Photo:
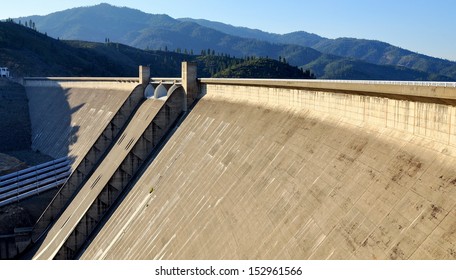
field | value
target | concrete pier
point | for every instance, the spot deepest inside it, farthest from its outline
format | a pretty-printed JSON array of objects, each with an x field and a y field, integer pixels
[{"x": 189, "y": 82}]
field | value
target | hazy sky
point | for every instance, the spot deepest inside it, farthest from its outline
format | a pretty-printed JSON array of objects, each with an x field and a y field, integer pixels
[{"x": 427, "y": 27}]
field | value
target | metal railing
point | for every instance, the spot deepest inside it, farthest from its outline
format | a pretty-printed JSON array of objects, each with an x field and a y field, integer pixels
[
  {"x": 20, "y": 185},
  {"x": 85, "y": 79},
  {"x": 15, "y": 177},
  {"x": 399, "y": 83},
  {"x": 362, "y": 82},
  {"x": 166, "y": 81}
]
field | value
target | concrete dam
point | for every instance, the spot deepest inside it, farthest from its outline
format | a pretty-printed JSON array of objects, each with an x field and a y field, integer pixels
[{"x": 247, "y": 169}]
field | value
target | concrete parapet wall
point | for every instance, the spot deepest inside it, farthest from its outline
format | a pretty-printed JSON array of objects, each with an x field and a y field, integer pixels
[
  {"x": 395, "y": 88},
  {"x": 418, "y": 109},
  {"x": 93, "y": 83}
]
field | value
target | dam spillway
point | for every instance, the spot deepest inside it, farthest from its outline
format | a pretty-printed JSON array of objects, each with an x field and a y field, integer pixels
[{"x": 263, "y": 169}]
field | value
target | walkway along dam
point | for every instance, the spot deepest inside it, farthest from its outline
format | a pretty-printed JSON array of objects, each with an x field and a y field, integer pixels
[{"x": 247, "y": 169}]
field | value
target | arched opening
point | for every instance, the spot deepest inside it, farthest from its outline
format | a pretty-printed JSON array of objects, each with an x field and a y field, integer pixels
[
  {"x": 160, "y": 91},
  {"x": 149, "y": 92}
]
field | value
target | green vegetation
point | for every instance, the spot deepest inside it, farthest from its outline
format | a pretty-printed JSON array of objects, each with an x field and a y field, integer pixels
[
  {"x": 264, "y": 68},
  {"x": 29, "y": 53},
  {"x": 327, "y": 67}
]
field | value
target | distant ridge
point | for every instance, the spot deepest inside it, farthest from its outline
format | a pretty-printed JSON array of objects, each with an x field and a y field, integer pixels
[
  {"x": 30, "y": 53},
  {"x": 370, "y": 51},
  {"x": 147, "y": 31}
]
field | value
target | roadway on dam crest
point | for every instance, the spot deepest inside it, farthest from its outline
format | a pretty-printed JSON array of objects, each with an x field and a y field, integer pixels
[
  {"x": 67, "y": 222},
  {"x": 250, "y": 174}
]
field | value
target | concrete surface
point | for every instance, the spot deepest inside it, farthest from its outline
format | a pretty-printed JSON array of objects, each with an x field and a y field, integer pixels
[
  {"x": 68, "y": 115},
  {"x": 66, "y": 223},
  {"x": 288, "y": 171}
]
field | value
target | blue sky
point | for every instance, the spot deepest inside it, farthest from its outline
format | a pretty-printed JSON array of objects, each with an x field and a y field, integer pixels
[{"x": 427, "y": 27}]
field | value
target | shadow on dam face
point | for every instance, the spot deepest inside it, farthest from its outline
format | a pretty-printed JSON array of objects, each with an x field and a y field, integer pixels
[
  {"x": 15, "y": 128},
  {"x": 243, "y": 179},
  {"x": 50, "y": 134},
  {"x": 53, "y": 131},
  {"x": 66, "y": 119}
]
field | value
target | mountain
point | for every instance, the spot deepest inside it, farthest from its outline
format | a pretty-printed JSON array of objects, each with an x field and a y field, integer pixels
[
  {"x": 370, "y": 51},
  {"x": 295, "y": 38},
  {"x": 27, "y": 52},
  {"x": 96, "y": 23},
  {"x": 147, "y": 31},
  {"x": 326, "y": 67},
  {"x": 385, "y": 54},
  {"x": 242, "y": 32}
]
